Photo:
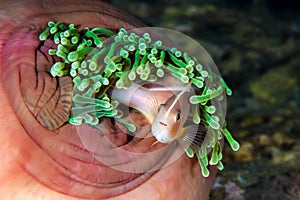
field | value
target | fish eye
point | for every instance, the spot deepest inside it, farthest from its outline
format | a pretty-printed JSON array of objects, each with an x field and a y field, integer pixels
[
  {"x": 177, "y": 117},
  {"x": 159, "y": 108}
]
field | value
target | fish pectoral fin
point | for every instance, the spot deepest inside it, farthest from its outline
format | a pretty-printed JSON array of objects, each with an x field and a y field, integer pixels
[
  {"x": 154, "y": 143},
  {"x": 192, "y": 135}
]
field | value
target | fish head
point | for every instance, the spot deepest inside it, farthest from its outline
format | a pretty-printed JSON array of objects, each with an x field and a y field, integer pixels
[{"x": 170, "y": 118}]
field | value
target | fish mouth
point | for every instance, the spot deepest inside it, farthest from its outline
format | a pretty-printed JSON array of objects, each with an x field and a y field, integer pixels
[
  {"x": 162, "y": 123},
  {"x": 163, "y": 138}
]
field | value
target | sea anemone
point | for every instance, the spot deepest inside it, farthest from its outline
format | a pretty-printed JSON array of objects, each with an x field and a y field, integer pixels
[{"x": 96, "y": 67}]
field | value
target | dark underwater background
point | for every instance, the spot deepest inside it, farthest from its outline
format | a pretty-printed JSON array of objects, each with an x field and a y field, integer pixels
[{"x": 256, "y": 46}]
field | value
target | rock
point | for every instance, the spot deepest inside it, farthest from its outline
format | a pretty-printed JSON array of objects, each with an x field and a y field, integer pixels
[
  {"x": 281, "y": 140},
  {"x": 269, "y": 87},
  {"x": 245, "y": 153},
  {"x": 264, "y": 140}
]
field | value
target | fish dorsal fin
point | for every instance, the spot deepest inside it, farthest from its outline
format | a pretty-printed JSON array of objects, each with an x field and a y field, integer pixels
[{"x": 177, "y": 98}]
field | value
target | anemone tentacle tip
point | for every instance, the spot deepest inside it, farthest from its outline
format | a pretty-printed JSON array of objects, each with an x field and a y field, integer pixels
[{"x": 235, "y": 146}]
